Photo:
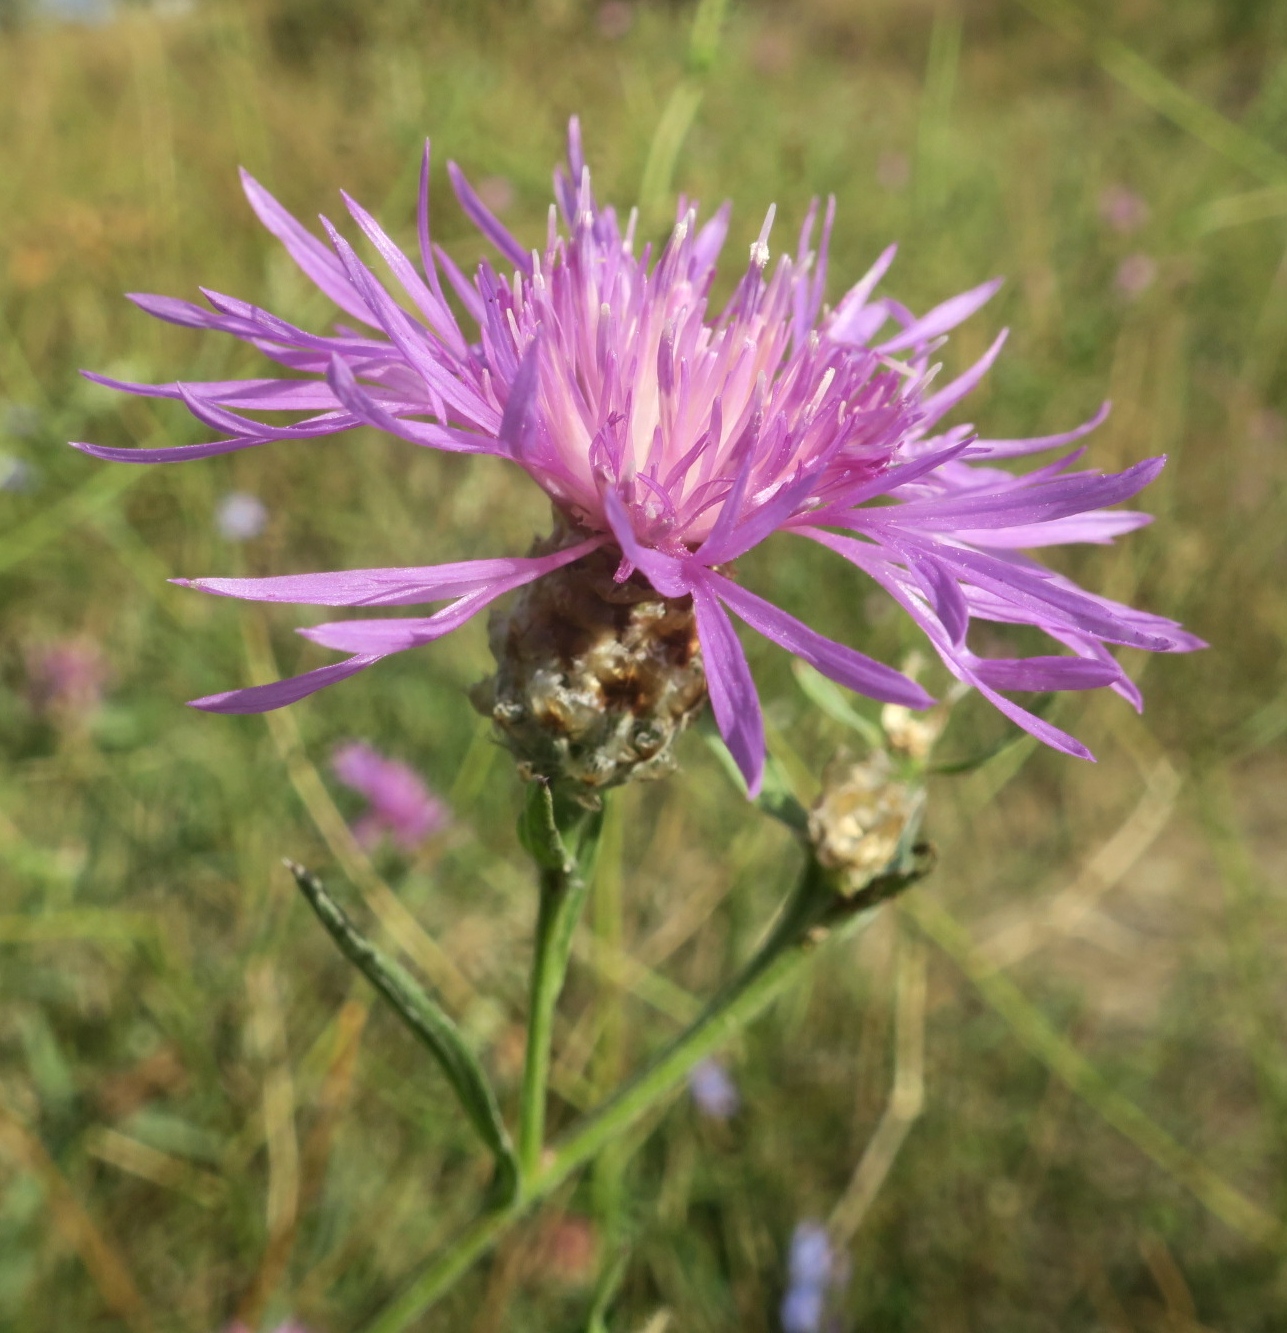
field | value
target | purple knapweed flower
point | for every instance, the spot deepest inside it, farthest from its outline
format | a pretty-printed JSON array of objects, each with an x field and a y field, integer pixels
[
  {"x": 1135, "y": 275},
  {"x": 1122, "y": 209},
  {"x": 400, "y": 803},
  {"x": 67, "y": 678},
  {"x": 713, "y": 1090},
  {"x": 676, "y": 440}
]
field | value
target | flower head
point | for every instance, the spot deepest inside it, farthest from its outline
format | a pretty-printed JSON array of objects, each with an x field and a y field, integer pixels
[
  {"x": 861, "y": 818},
  {"x": 675, "y": 440},
  {"x": 400, "y": 803}
]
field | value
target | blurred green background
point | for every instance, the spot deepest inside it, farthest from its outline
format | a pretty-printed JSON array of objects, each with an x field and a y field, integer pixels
[{"x": 200, "y": 1116}]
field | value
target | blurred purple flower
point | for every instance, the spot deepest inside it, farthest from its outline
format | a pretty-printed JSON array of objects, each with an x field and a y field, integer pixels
[
  {"x": 290, "y": 1326},
  {"x": 1122, "y": 209},
  {"x": 1135, "y": 275},
  {"x": 240, "y": 517},
  {"x": 678, "y": 442},
  {"x": 401, "y": 805},
  {"x": 713, "y": 1090},
  {"x": 497, "y": 193},
  {"x": 66, "y": 678},
  {"x": 1268, "y": 426},
  {"x": 615, "y": 19},
  {"x": 802, "y": 1309}
]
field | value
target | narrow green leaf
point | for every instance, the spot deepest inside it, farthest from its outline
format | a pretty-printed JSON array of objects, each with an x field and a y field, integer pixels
[
  {"x": 776, "y": 798},
  {"x": 427, "y": 1021},
  {"x": 704, "y": 41},
  {"x": 538, "y": 828},
  {"x": 829, "y": 697},
  {"x": 663, "y": 153},
  {"x": 1166, "y": 97}
]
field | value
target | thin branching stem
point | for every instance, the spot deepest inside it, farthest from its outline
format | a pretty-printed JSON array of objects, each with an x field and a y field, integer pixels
[{"x": 810, "y": 913}]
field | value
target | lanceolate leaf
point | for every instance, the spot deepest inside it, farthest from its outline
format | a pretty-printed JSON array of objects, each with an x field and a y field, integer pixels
[{"x": 427, "y": 1021}]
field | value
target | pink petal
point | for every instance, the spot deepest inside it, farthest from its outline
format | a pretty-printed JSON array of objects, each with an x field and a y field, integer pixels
[
  {"x": 486, "y": 221},
  {"x": 264, "y": 698},
  {"x": 396, "y": 586},
  {"x": 317, "y": 262},
  {"x": 728, "y": 678},
  {"x": 942, "y": 318},
  {"x": 847, "y": 666}
]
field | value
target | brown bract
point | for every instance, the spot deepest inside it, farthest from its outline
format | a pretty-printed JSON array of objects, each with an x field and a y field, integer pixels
[{"x": 595, "y": 679}]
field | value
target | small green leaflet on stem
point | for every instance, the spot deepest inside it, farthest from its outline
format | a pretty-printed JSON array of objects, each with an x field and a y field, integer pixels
[{"x": 430, "y": 1025}]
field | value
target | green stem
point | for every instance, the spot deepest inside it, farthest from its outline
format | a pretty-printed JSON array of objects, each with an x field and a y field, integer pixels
[
  {"x": 606, "y": 1069},
  {"x": 774, "y": 965},
  {"x": 562, "y": 839},
  {"x": 811, "y": 910}
]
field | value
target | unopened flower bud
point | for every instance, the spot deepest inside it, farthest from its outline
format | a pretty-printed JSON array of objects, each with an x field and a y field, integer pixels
[
  {"x": 594, "y": 679},
  {"x": 912, "y": 735},
  {"x": 862, "y": 819}
]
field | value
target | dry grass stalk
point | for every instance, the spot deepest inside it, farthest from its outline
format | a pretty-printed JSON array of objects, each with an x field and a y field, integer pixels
[
  {"x": 268, "y": 1037},
  {"x": 385, "y": 905},
  {"x": 105, "y": 1266},
  {"x": 1027, "y": 1023},
  {"x": 906, "y": 1100},
  {"x": 160, "y": 1168},
  {"x": 1070, "y": 910}
]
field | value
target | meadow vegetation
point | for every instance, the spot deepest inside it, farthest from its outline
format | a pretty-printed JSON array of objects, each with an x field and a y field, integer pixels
[{"x": 205, "y": 1116}]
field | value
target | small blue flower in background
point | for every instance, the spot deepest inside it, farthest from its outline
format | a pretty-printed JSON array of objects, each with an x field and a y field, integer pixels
[
  {"x": 92, "y": 12},
  {"x": 240, "y": 517},
  {"x": 713, "y": 1090},
  {"x": 16, "y": 475},
  {"x": 810, "y": 1269},
  {"x": 21, "y": 421},
  {"x": 802, "y": 1310}
]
